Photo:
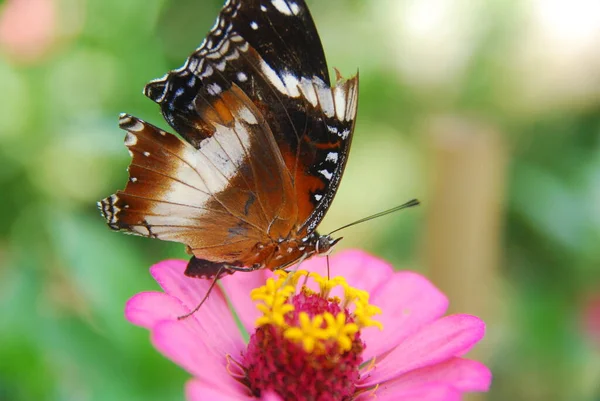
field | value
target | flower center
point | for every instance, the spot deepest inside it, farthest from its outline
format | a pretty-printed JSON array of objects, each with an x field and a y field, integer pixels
[{"x": 307, "y": 344}]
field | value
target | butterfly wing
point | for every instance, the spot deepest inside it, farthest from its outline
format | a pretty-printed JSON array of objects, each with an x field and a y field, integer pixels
[
  {"x": 220, "y": 199},
  {"x": 272, "y": 51}
]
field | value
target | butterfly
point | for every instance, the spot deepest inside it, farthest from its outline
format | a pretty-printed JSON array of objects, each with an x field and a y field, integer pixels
[{"x": 265, "y": 137}]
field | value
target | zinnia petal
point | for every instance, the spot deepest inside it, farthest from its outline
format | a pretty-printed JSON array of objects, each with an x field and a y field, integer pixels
[
  {"x": 215, "y": 319},
  {"x": 360, "y": 269},
  {"x": 146, "y": 309},
  {"x": 433, "y": 392},
  {"x": 150, "y": 309},
  {"x": 237, "y": 291},
  {"x": 196, "y": 390},
  {"x": 175, "y": 340},
  {"x": 408, "y": 301},
  {"x": 462, "y": 374},
  {"x": 434, "y": 343}
]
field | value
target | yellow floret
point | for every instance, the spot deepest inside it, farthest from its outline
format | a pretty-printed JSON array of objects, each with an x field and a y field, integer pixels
[
  {"x": 316, "y": 332},
  {"x": 364, "y": 312}
]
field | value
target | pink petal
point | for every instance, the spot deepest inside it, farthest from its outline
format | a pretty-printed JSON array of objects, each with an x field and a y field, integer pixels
[
  {"x": 408, "y": 301},
  {"x": 434, "y": 343},
  {"x": 149, "y": 309},
  {"x": 463, "y": 374},
  {"x": 361, "y": 270},
  {"x": 218, "y": 328},
  {"x": 180, "y": 343},
  {"x": 238, "y": 287},
  {"x": 196, "y": 390},
  {"x": 434, "y": 392},
  {"x": 146, "y": 309}
]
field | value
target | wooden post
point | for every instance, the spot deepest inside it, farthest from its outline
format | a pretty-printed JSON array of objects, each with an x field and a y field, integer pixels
[{"x": 464, "y": 218}]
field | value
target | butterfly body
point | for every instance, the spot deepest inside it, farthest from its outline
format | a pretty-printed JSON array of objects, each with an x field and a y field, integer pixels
[{"x": 265, "y": 142}]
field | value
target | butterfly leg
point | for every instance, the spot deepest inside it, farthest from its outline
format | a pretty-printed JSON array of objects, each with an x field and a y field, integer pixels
[
  {"x": 204, "y": 269},
  {"x": 256, "y": 266}
]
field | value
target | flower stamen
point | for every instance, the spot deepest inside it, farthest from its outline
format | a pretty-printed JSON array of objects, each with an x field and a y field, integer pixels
[{"x": 307, "y": 339}]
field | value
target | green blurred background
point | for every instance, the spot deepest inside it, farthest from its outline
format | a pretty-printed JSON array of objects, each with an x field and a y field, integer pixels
[{"x": 488, "y": 111}]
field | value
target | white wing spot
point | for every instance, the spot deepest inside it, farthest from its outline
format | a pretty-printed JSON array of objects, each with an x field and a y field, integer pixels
[
  {"x": 295, "y": 8},
  {"x": 208, "y": 71},
  {"x": 326, "y": 174},
  {"x": 193, "y": 64},
  {"x": 221, "y": 66},
  {"x": 242, "y": 77},
  {"x": 263, "y": 8},
  {"x": 339, "y": 98},
  {"x": 332, "y": 157},
  {"x": 130, "y": 139},
  {"x": 247, "y": 115},
  {"x": 308, "y": 90},
  {"x": 133, "y": 179},
  {"x": 254, "y": 25},
  {"x": 137, "y": 126},
  {"x": 146, "y": 154},
  {"x": 344, "y": 134},
  {"x": 326, "y": 101},
  {"x": 291, "y": 84},
  {"x": 214, "y": 89},
  {"x": 282, "y": 7},
  {"x": 318, "y": 197},
  {"x": 273, "y": 77}
]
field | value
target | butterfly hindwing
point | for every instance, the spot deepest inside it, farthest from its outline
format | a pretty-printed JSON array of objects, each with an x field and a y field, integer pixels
[{"x": 220, "y": 200}]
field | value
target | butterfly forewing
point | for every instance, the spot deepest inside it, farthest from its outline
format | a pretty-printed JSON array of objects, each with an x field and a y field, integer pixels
[
  {"x": 266, "y": 140},
  {"x": 272, "y": 51}
]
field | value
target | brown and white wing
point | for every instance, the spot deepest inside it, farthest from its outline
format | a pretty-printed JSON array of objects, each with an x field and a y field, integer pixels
[
  {"x": 219, "y": 199},
  {"x": 272, "y": 51}
]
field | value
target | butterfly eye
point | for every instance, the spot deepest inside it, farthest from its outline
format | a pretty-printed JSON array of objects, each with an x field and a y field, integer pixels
[{"x": 324, "y": 244}]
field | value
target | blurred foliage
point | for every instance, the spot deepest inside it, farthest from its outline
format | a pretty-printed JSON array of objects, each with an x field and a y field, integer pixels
[{"x": 64, "y": 277}]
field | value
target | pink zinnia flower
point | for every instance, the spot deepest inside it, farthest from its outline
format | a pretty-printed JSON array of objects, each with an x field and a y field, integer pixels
[
  {"x": 27, "y": 28},
  {"x": 317, "y": 339}
]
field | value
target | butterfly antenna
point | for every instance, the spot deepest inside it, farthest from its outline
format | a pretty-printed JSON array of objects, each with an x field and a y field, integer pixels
[
  {"x": 212, "y": 285},
  {"x": 410, "y": 203}
]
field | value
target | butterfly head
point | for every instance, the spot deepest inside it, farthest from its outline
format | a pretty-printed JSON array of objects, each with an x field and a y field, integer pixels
[{"x": 324, "y": 243}]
